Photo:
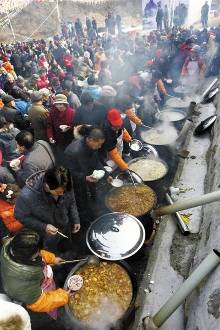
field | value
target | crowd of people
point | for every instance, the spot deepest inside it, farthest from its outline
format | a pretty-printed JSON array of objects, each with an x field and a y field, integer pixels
[{"x": 68, "y": 107}]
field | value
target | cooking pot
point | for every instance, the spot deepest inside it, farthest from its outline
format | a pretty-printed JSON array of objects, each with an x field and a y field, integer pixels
[
  {"x": 171, "y": 115},
  {"x": 159, "y": 135},
  {"x": 116, "y": 190},
  {"x": 175, "y": 102},
  {"x": 123, "y": 323},
  {"x": 133, "y": 161},
  {"x": 175, "y": 116}
]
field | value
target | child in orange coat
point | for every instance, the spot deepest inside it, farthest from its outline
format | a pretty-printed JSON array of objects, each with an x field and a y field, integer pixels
[{"x": 9, "y": 225}]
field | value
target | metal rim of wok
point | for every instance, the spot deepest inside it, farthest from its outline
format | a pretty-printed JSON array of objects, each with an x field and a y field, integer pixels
[
  {"x": 137, "y": 179},
  {"x": 113, "y": 190},
  {"x": 153, "y": 150},
  {"x": 182, "y": 112},
  {"x": 106, "y": 233},
  {"x": 156, "y": 160},
  {"x": 76, "y": 322}
]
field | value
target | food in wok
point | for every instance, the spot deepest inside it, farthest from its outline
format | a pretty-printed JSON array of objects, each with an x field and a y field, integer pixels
[
  {"x": 161, "y": 135},
  {"x": 105, "y": 296},
  {"x": 149, "y": 169},
  {"x": 135, "y": 199},
  {"x": 171, "y": 116}
]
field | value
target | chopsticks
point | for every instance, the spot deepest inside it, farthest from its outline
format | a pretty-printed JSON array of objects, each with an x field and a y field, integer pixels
[{"x": 61, "y": 234}]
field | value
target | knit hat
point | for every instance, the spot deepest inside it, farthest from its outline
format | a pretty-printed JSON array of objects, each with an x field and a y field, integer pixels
[
  {"x": 44, "y": 92},
  {"x": 36, "y": 96},
  {"x": 114, "y": 117},
  {"x": 7, "y": 98},
  {"x": 108, "y": 91},
  {"x": 60, "y": 99}
]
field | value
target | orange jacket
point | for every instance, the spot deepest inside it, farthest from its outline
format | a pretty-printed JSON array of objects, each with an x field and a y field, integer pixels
[
  {"x": 132, "y": 116},
  {"x": 161, "y": 87},
  {"x": 126, "y": 136},
  {"x": 50, "y": 300},
  {"x": 7, "y": 216},
  {"x": 1, "y": 104},
  {"x": 48, "y": 257},
  {"x": 8, "y": 66}
]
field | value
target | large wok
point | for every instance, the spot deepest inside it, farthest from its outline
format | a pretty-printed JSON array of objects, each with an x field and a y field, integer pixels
[
  {"x": 184, "y": 204},
  {"x": 116, "y": 190},
  {"x": 73, "y": 323},
  {"x": 133, "y": 161}
]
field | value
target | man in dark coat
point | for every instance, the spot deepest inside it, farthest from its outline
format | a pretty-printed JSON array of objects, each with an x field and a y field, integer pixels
[
  {"x": 47, "y": 204},
  {"x": 82, "y": 158},
  {"x": 159, "y": 17},
  {"x": 89, "y": 113},
  {"x": 88, "y": 24},
  {"x": 11, "y": 114},
  {"x": 94, "y": 25},
  {"x": 118, "y": 23},
  {"x": 205, "y": 14}
]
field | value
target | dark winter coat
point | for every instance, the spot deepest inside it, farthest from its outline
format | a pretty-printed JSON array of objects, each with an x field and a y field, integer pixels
[
  {"x": 81, "y": 160},
  {"x": 35, "y": 208},
  {"x": 39, "y": 158},
  {"x": 8, "y": 145}
]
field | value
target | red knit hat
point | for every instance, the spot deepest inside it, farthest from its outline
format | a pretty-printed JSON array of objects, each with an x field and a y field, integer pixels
[{"x": 114, "y": 117}]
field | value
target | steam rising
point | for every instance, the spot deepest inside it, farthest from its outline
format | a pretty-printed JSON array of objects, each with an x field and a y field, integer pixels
[{"x": 103, "y": 317}]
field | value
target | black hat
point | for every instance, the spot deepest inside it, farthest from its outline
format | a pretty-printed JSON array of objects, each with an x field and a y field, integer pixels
[{"x": 7, "y": 98}]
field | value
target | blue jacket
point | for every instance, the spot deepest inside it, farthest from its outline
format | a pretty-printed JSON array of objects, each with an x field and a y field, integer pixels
[
  {"x": 94, "y": 91},
  {"x": 22, "y": 106}
]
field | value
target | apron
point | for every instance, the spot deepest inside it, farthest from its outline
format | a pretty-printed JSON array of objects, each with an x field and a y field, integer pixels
[
  {"x": 193, "y": 78},
  {"x": 119, "y": 147},
  {"x": 193, "y": 69},
  {"x": 156, "y": 95},
  {"x": 49, "y": 285}
]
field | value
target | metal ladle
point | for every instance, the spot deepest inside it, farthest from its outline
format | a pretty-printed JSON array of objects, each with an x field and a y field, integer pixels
[
  {"x": 145, "y": 126},
  {"x": 91, "y": 260}
]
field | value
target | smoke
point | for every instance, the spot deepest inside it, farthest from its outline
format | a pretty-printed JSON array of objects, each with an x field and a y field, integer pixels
[{"x": 108, "y": 313}]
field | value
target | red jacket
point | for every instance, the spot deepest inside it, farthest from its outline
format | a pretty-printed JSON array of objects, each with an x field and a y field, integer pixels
[
  {"x": 42, "y": 82},
  {"x": 57, "y": 118},
  {"x": 68, "y": 60}
]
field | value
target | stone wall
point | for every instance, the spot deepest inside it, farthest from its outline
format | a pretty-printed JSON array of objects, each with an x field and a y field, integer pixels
[{"x": 203, "y": 307}]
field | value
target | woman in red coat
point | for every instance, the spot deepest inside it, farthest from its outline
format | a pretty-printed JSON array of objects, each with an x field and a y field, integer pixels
[{"x": 60, "y": 124}]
